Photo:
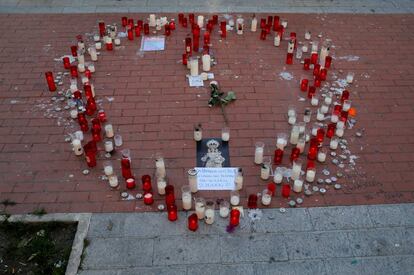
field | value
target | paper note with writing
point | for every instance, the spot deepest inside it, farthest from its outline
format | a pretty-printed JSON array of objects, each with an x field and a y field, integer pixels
[
  {"x": 195, "y": 81},
  {"x": 153, "y": 43},
  {"x": 216, "y": 178}
]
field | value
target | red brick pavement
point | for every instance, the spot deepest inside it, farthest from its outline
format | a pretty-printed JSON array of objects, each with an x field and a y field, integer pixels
[{"x": 155, "y": 110}]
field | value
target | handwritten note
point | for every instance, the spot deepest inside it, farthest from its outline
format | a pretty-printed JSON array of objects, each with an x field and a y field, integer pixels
[
  {"x": 216, "y": 178},
  {"x": 195, "y": 81}
]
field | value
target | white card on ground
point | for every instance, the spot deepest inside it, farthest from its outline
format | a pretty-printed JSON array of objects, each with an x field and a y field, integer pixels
[
  {"x": 210, "y": 76},
  {"x": 216, "y": 178},
  {"x": 153, "y": 43},
  {"x": 195, "y": 81}
]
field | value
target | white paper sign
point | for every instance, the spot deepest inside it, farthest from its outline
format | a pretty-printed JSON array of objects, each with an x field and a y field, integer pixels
[
  {"x": 152, "y": 43},
  {"x": 216, "y": 178},
  {"x": 195, "y": 81}
]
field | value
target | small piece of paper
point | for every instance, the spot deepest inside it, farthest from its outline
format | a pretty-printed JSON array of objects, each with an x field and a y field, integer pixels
[
  {"x": 153, "y": 43},
  {"x": 210, "y": 76},
  {"x": 216, "y": 178},
  {"x": 195, "y": 81}
]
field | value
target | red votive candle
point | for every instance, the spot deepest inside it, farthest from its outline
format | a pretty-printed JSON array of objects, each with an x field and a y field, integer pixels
[
  {"x": 74, "y": 50},
  {"x": 196, "y": 43},
  {"x": 109, "y": 45},
  {"x": 172, "y": 212},
  {"x": 215, "y": 19},
  {"x": 167, "y": 30},
  {"x": 331, "y": 130},
  {"x": 267, "y": 28},
  {"x": 263, "y": 23},
  {"x": 140, "y": 24},
  {"x": 311, "y": 91},
  {"x": 90, "y": 106},
  {"x": 316, "y": 69},
  {"x": 314, "y": 58},
  {"x": 148, "y": 199},
  {"x": 77, "y": 95},
  {"x": 73, "y": 71},
  {"x": 90, "y": 153},
  {"x": 66, "y": 62},
  {"x": 169, "y": 195},
  {"x": 234, "y": 217},
  {"x": 223, "y": 29},
  {"x": 146, "y": 183},
  {"x": 101, "y": 25},
  {"x": 193, "y": 222},
  {"x": 320, "y": 135},
  {"x": 289, "y": 58},
  {"x": 96, "y": 125},
  {"x": 188, "y": 48},
  {"x": 88, "y": 73},
  {"x": 306, "y": 64},
  {"x": 322, "y": 74},
  {"x": 82, "y": 118},
  {"x": 124, "y": 21},
  {"x": 96, "y": 136},
  {"x": 146, "y": 29},
  {"x": 130, "y": 22},
  {"x": 206, "y": 38},
  {"x": 126, "y": 167},
  {"x": 185, "y": 59},
  {"x": 130, "y": 33},
  {"x": 84, "y": 127},
  {"x": 88, "y": 91},
  {"x": 285, "y": 190},
  {"x": 272, "y": 188},
  {"x": 252, "y": 201},
  {"x": 101, "y": 116},
  {"x": 263, "y": 35},
  {"x": 344, "y": 96},
  {"x": 50, "y": 81},
  {"x": 275, "y": 22},
  {"x": 304, "y": 85},
  {"x": 191, "y": 18},
  {"x": 295, "y": 154},
  {"x": 180, "y": 18},
  {"x": 313, "y": 149},
  {"x": 172, "y": 25},
  {"x": 130, "y": 183},
  {"x": 278, "y": 156},
  {"x": 328, "y": 61}
]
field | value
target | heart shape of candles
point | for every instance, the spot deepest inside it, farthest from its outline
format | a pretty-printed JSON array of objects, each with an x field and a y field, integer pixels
[{"x": 318, "y": 62}]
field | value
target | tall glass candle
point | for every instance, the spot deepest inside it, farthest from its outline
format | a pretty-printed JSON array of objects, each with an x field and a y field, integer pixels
[
  {"x": 234, "y": 197},
  {"x": 224, "y": 209},
  {"x": 161, "y": 184},
  {"x": 186, "y": 197},
  {"x": 296, "y": 169},
  {"x": 200, "y": 207},
  {"x": 259, "y": 151},
  {"x": 209, "y": 213},
  {"x": 50, "y": 81},
  {"x": 297, "y": 186},
  {"x": 266, "y": 197},
  {"x": 239, "y": 179},
  {"x": 192, "y": 180},
  {"x": 193, "y": 222}
]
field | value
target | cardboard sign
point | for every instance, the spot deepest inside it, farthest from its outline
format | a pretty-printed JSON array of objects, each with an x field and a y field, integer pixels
[{"x": 216, "y": 178}]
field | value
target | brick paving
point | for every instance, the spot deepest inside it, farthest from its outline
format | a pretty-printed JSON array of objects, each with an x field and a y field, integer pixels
[{"x": 155, "y": 110}]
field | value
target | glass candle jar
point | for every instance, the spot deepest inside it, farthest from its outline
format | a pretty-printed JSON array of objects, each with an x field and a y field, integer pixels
[
  {"x": 200, "y": 207},
  {"x": 252, "y": 201},
  {"x": 169, "y": 195},
  {"x": 234, "y": 217},
  {"x": 186, "y": 197},
  {"x": 285, "y": 190},
  {"x": 315, "y": 100},
  {"x": 272, "y": 188},
  {"x": 193, "y": 222},
  {"x": 224, "y": 209},
  {"x": 192, "y": 180},
  {"x": 297, "y": 186},
  {"x": 278, "y": 157},
  {"x": 161, "y": 184},
  {"x": 259, "y": 151},
  {"x": 130, "y": 183},
  {"x": 296, "y": 169},
  {"x": 159, "y": 166},
  {"x": 126, "y": 164},
  {"x": 278, "y": 175},
  {"x": 266, "y": 197},
  {"x": 109, "y": 131},
  {"x": 320, "y": 116},
  {"x": 209, "y": 213},
  {"x": 322, "y": 154},
  {"x": 306, "y": 62},
  {"x": 146, "y": 183},
  {"x": 225, "y": 134},
  {"x": 333, "y": 145},
  {"x": 234, "y": 197},
  {"x": 77, "y": 147},
  {"x": 310, "y": 171},
  {"x": 307, "y": 115},
  {"x": 118, "y": 140},
  {"x": 294, "y": 134},
  {"x": 281, "y": 141},
  {"x": 265, "y": 168},
  {"x": 148, "y": 199},
  {"x": 239, "y": 179},
  {"x": 50, "y": 81},
  {"x": 346, "y": 105},
  {"x": 194, "y": 66},
  {"x": 172, "y": 212},
  {"x": 113, "y": 181},
  {"x": 108, "y": 169},
  {"x": 198, "y": 133},
  {"x": 350, "y": 77}
]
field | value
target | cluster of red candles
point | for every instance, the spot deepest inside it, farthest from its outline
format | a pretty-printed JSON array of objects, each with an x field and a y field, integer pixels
[
  {"x": 272, "y": 23},
  {"x": 194, "y": 43}
]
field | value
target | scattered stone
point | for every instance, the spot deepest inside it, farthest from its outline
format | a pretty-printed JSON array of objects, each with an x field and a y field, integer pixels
[
  {"x": 326, "y": 172},
  {"x": 124, "y": 195},
  {"x": 292, "y": 203},
  {"x": 358, "y": 134},
  {"x": 335, "y": 161},
  {"x": 339, "y": 174},
  {"x": 58, "y": 109},
  {"x": 67, "y": 107},
  {"x": 85, "y": 172},
  {"x": 139, "y": 196},
  {"x": 333, "y": 154},
  {"x": 337, "y": 186},
  {"x": 322, "y": 191},
  {"x": 108, "y": 155},
  {"x": 282, "y": 210},
  {"x": 308, "y": 192},
  {"x": 67, "y": 139},
  {"x": 320, "y": 181},
  {"x": 299, "y": 200},
  {"x": 328, "y": 181},
  {"x": 343, "y": 156},
  {"x": 315, "y": 188},
  {"x": 161, "y": 207},
  {"x": 341, "y": 165},
  {"x": 53, "y": 98},
  {"x": 334, "y": 179}
]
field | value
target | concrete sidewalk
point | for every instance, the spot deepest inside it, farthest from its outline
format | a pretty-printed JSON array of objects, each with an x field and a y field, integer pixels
[
  {"x": 376, "y": 239},
  {"x": 279, "y": 6}
]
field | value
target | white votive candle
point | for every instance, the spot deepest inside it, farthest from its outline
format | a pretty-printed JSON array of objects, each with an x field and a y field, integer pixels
[
  {"x": 321, "y": 155},
  {"x": 200, "y": 21},
  {"x": 234, "y": 198},
  {"x": 258, "y": 154},
  {"x": 74, "y": 114},
  {"x": 161, "y": 184},
  {"x": 194, "y": 66},
  {"x": 265, "y": 172},
  {"x": 310, "y": 175},
  {"x": 334, "y": 143},
  {"x": 296, "y": 169},
  {"x": 297, "y": 186},
  {"x": 192, "y": 180},
  {"x": 109, "y": 131},
  {"x": 277, "y": 177},
  {"x": 206, "y": 59},
  {"x": 186, "y": 198},
  {"x": 113, "y": 181},
  {"x": 77, "y": 147},
  {"x": 200, "y": 207},
  {"x": 266, "y": 197}
]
